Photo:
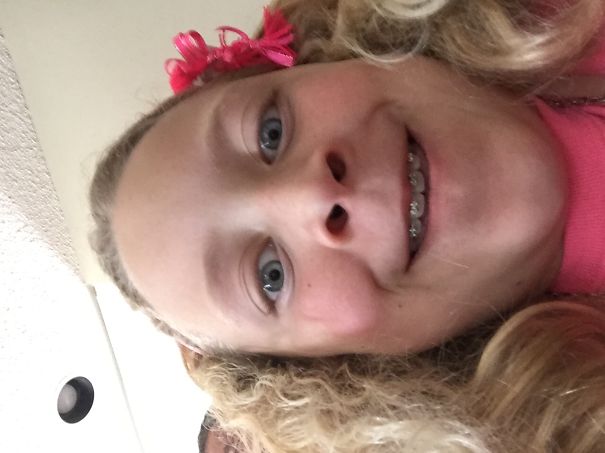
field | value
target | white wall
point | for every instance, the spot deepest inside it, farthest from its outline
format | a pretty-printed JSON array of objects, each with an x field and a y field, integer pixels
[
  {"x": 87, "y": 69},
  {"x": 50, "y": 326}
]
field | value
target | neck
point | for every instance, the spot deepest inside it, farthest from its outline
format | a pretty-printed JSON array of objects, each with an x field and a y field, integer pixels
[
  {"x": 576, "y": 87},
  {"x": 580, "y": 131}
]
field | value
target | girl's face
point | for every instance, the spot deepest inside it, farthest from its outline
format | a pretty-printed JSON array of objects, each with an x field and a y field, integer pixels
[{"x": 273, "y": 213}]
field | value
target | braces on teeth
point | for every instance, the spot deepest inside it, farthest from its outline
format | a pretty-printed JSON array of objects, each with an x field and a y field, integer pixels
[{"x": 417, "y": 203}]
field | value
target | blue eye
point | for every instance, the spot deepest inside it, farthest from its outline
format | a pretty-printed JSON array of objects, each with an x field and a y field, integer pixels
[
  {"x": 271, "y": 273},
  {"x": 270, "y": 135}
]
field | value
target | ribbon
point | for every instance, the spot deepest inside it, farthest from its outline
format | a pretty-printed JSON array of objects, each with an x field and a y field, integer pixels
[{"x": 199, "y": 59}]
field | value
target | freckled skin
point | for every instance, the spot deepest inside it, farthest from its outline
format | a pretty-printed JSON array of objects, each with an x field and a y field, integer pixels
[{"x": 495, "y": 220}]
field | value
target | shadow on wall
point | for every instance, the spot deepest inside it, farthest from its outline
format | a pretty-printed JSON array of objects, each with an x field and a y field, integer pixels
[{"x": 25, "y": 183}]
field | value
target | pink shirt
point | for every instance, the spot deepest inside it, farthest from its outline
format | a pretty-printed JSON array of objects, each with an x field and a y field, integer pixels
[{"x": 581, "y": 131}]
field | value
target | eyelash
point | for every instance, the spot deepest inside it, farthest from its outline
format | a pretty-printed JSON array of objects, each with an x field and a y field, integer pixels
[
  {"x": 264, "y": 270},
  {"x": 271, "y": 115}
]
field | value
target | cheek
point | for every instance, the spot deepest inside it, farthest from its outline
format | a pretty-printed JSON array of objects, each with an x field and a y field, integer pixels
[
  {"x": 340, "y": 98},
  {"x": 344, "y": 302}
]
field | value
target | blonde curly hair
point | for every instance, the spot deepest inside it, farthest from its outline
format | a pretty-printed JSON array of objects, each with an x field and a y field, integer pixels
[
  {"x": 537, "y": 387},
  {"x": 502, "y": 42},
  {"x": 539, "y": 383}
]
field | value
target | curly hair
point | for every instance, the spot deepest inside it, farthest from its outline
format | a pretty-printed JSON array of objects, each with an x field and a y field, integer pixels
[
  {"x": 529, "y": 392},
  {"x": 537, "y": 386},
  {"x": 501, "y": 42}
]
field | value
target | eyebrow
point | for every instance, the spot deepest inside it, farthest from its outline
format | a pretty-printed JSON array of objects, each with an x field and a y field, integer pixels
[
  {"x": 219, "y": 279},
  {"x": 216, "y": 279},
  {"x": 217, "y": 137},
  {"x": 216, "y": 133},
  {"x": 223, "y": 283}
]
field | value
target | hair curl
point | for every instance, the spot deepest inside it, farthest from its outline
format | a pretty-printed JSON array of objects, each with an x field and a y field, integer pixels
[{"x": 538, "y": 387}]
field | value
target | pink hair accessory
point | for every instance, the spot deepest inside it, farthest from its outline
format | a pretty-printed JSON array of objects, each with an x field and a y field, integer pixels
[{"x": 202, "y": 62}]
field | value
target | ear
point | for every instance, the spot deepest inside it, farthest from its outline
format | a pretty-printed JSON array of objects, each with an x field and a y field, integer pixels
[{"x": 190, "y": 357}]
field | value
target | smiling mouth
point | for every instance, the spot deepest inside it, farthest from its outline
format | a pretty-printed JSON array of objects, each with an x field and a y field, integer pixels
[{"x": 417, "y": 172}]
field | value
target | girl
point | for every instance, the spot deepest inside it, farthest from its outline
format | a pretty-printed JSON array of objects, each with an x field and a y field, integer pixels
[{"x": 352, "y": 207}]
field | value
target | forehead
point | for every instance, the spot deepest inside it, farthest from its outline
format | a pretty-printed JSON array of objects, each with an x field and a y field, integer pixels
[{"x": 158, "y": 186}]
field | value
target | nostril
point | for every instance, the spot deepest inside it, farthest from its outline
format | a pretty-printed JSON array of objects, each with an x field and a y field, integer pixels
[
  {"x": 337, "y": 166},
  {"x": 337, "y": 220}
]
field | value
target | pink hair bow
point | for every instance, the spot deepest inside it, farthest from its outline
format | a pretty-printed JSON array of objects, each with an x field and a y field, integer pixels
[{"x": 202, "y": 62}]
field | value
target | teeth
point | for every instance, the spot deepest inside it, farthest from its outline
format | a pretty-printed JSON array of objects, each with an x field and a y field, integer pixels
[
  {"x": 414, "y": 244},
  {"x": 415, "y": 228},
  {"x": 418, "y": 200},
  {"x": 417, "y": 205},
  {"x": 417, "y": 181},
  {"x": 413, "y": 160}
]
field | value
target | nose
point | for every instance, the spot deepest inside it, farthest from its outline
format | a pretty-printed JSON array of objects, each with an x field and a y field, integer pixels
[{"x": 312, "y": 198}]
